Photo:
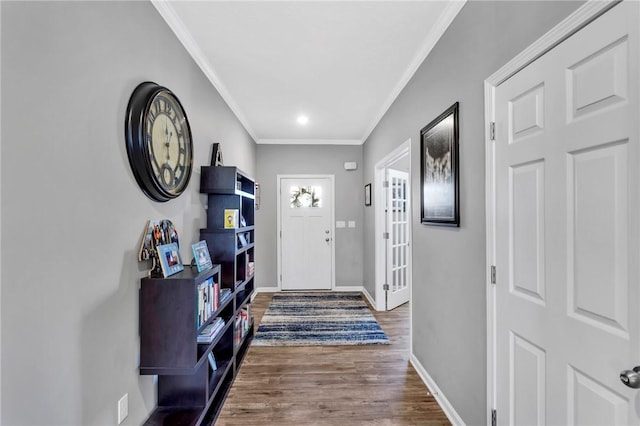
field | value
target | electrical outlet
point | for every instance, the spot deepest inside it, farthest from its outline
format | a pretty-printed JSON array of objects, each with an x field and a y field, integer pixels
[{"x": 123, "y": 408}]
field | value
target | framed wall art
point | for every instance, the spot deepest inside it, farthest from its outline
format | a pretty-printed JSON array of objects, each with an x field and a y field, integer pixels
[{"x": 439, "y": 170}]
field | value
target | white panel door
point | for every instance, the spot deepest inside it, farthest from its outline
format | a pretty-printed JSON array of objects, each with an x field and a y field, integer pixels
[
  {"x": 397, "y": 247},
  {"x": 567, "y": 234},
  {"x": 306, "y": 213}
]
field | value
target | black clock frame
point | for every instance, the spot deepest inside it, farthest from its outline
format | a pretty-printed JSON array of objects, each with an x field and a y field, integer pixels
[{"x": 137, "y": 150}]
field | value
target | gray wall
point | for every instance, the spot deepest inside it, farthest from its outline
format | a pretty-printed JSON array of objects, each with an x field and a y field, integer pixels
[
  {"x": 72, "y": 213},
  {"x": 349, "y": 197},
  {"x": 449, "y": 303}
]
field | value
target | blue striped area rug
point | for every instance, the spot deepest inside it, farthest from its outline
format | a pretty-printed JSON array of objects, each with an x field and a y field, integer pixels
[{"x": 318, "y": 319}]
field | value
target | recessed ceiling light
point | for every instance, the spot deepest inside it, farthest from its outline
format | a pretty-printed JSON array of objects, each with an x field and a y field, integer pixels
[{"x": 303, "y": 120}]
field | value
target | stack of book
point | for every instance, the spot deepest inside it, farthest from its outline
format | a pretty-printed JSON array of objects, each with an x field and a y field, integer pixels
[
  {"x": 225, "y": 293},
  {"x": 242, "y": 324},
  {"x": 250, "y": 269},
  {"x": 211, "y": 331},
  {"x": 208, "y": 300}
]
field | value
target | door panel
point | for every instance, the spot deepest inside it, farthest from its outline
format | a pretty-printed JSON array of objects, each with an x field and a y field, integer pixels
[
  {"x": 306, "y": 212},
  {"x": 567, "y": 234},
  {"x": 397, "y": 246}
]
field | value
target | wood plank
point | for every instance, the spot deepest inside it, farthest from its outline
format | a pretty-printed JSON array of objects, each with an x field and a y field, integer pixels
[{"x": 328, "y": 385}]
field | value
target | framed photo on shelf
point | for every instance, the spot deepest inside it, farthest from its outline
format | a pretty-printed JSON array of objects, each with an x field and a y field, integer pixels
[
  {"x": 231, "y": 218},
  {"x": 367, "y": 194},
  {"x": 201, "y": 256},
  {"x": 439, "y": 170},
  {"x": 170, "y": 260}
]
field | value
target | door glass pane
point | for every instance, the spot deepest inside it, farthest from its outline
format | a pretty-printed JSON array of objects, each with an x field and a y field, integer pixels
[{"x": 305, "y": 197}]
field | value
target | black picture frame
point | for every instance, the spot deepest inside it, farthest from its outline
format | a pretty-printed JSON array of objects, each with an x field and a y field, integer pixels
[
  {"x": 439, "y": 171},
  {"x": 367, "y": 194}
]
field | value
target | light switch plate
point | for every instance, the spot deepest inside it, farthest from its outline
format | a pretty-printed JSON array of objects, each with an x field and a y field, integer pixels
[{"x": 123, "y": 408}]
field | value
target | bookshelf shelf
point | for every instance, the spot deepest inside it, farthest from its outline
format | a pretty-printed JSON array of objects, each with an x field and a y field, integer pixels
[{"x": 190, "y": 391}]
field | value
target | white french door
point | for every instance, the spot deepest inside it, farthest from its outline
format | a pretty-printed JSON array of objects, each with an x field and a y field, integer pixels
[
  {"x": 397, "y": 244},
  {"x": 567, "y": 238},
  {"x": 306, "y": 232}
]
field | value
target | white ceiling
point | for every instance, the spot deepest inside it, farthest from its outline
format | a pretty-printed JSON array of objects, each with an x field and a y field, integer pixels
[{"x": 341, "y": 63}]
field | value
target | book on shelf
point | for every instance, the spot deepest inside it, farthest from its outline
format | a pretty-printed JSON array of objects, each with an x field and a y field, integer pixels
[
  {"x": 216, "y": 296},
  {"x": 245, "y": 315},
  {"x": 211, "y": 331},
  {"x": 237, "y": 331},
  {"x": 212, "y": 362},
  {"x": 250, "y": 267}
]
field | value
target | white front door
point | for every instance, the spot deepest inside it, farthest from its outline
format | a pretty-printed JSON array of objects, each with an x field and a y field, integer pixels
[
  {"x": 567, "y": 230},
  {"x": 306, "y": 223},
  {"x": 397, "y": 244}
]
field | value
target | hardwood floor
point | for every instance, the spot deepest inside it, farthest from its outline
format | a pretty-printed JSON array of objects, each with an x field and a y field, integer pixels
[{"x": 332, "y": 385}]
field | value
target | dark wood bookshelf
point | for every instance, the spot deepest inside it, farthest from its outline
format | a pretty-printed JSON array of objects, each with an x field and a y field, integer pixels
[{"x": 190, "y": 392}]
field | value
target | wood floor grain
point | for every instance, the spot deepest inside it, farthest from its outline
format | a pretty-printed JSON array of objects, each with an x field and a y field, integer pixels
[{"x": 332, "y": 385}]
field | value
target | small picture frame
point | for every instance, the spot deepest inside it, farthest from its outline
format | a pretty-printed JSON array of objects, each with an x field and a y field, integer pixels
[
  {"x": 201, "y": 256},
  {"x": 170, "y": 260},
  {"x": 231, "y": 218},
  {"x": 367, "y": 194}
]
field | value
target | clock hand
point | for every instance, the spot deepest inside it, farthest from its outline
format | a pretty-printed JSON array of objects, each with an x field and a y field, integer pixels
[
  {"x": 167, "y": 136},
  {"x": 168, "y": 143}
]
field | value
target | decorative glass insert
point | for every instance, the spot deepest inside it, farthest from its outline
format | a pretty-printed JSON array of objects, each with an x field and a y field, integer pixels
[{"x": 305, "y": 197}]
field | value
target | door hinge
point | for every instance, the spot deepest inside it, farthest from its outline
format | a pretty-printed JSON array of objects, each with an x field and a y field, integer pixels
[
  {"x": 494, "y": 418},
  {"x": 385, "y": 184},
  {"x": 493, "y": 274},
  {"x": 385, "y": 287},
  {"x": 280, "y": 234},
  {"x": 492, "y": 130},
  {"x": 280, "y": 277},
  {"x": 385, "y": 235}
]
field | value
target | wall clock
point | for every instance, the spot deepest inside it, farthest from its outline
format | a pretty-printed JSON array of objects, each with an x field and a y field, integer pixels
[{"x": 158, "y": 139}]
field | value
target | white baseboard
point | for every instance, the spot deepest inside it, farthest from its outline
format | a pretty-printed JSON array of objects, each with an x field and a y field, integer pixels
[
  {"x": 339, "y": 288},
  {"x": 371, "y": 300},
  {"x": 266, "y": 290},
  {"x": 442, "y": 400},
  {"x": 354, "y": 288}
]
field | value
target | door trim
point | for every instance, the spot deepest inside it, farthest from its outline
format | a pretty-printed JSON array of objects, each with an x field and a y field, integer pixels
[
  {"x": 580, "y": 18},
  {"x": 379, "y": 273},
  {"x": 279, "y": 223}
]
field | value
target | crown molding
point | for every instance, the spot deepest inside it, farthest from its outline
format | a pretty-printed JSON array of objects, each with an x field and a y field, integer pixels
[
  {"x": 184, "y": 36},
  {"x": 446, "y": 17},
  {"x": 309, "y": 142}
]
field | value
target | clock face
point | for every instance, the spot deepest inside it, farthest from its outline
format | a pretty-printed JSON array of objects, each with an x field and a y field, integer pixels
[
  {"x": 167, "y": 140},
  {"x": 158, "y": 142}
]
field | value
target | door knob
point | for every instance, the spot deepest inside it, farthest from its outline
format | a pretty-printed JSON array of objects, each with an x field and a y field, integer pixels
[{"x": 631, "y": 378}]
